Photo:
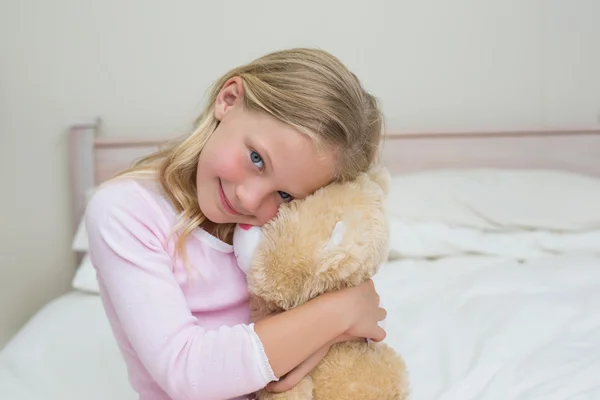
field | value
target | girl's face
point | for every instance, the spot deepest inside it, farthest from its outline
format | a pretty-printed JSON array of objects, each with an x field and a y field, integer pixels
[{"x": 253, "y": 163}]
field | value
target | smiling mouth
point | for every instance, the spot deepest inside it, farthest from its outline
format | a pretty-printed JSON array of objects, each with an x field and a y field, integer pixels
[{"x": 226, "y": 204}]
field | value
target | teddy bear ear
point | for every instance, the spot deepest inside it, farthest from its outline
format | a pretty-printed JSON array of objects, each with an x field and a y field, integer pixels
[
  {"x": 334, "y": 252},
  {"x": 381, "y": 176}
]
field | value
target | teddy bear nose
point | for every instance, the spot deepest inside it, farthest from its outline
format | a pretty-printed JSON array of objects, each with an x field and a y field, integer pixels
[{"x": 245, "y": 226}]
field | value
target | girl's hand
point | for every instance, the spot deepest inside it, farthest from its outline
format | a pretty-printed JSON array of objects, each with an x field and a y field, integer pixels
[
  {"x": 294, "y": 376},
  {"x": 365, "y": 313}
]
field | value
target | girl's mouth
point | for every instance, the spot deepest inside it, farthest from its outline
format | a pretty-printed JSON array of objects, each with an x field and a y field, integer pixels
[{"x": 226, "y": 204}]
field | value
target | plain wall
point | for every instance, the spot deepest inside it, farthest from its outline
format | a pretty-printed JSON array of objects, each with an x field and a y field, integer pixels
[{"x": 144, "y": 67}]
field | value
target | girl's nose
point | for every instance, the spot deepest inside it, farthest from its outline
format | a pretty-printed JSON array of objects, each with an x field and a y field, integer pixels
[{"x": 251, "y": 196}]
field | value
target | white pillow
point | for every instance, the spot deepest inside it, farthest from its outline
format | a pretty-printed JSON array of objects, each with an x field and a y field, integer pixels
[
  {"x": 80, "y": 240},
  {"x": 498, "y": 200},
  {"x": 435, "y": 240},
  {"x": 85, "y": 277}
]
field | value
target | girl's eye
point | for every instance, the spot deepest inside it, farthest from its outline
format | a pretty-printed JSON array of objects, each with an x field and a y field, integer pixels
[
  {"x": 257, "y": 159},
  {"x": 285, "y": 196}
]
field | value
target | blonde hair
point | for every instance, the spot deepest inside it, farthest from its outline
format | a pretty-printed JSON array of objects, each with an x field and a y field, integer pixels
[{"x": 309, "y": 89}]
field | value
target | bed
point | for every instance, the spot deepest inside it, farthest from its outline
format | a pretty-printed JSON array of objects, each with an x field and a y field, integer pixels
[{"x": 492, "y": 285}]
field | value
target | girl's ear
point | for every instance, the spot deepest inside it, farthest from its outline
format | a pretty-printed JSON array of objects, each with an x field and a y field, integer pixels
[{"x": 230, "y": 95}]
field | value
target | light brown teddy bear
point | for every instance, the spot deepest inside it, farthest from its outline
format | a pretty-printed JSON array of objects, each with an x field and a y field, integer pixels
[{"x": 335, "y": 238}]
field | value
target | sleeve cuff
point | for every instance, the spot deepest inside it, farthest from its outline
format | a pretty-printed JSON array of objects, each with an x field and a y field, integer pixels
[{"x": 259, "y": 352}]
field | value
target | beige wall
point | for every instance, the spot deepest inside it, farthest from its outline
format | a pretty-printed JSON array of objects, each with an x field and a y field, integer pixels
[{"x": 143, "y": 66}]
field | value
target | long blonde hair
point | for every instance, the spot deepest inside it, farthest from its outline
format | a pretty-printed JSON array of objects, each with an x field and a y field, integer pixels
[{"x": 309, "y": 89}]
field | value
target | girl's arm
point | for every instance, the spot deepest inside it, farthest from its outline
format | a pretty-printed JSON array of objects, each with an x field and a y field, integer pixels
[
  {"x": 314, "y": 327},
  {"x": 151, "y": 317},
  {"x": 292, "y": 378},
  {"x": 291, "y": 337}
]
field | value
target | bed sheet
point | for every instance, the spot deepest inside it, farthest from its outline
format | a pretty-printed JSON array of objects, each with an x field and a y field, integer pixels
[
  {"x": 65, "y": 352},
  {"x": 469, "y": 328},
  {"x": 492, "y": 328}
]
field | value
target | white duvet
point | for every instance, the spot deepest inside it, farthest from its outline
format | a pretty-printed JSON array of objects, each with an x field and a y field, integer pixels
[
  {"x": 490, "y": 328},
  {"x": 468, "y": 327},
  {"x": 65, "y": 352}
]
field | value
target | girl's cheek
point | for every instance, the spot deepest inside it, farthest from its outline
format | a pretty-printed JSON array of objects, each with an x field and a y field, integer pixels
[
  {"x": 233, "y": 165},
  {"x": 267, "y": 213}
]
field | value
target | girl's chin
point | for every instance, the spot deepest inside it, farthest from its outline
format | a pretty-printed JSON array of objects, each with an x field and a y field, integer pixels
[
  {"x": 218, "y": 216},
  {"x": 223, "y": 218},
  {"x": 215, "y": 216}
]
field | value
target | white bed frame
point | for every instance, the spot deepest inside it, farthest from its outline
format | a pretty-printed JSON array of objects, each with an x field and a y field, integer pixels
[{"x": 95, "y": 157}]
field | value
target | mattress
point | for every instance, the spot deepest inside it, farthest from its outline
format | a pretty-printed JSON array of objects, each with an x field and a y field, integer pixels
[{"x": 469, "y": 327}]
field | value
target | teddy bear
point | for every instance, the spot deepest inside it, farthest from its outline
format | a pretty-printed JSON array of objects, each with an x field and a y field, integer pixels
[{"x": 335, "y": 238}]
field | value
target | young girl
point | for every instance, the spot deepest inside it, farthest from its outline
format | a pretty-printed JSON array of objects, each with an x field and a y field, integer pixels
[{"x": 274, "y": 130}]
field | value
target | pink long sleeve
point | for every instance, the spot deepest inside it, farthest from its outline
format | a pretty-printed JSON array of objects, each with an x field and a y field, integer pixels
[{"x": 184, "y": 333}]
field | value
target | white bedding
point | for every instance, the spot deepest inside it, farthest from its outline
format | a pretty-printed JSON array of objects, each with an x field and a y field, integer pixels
[
  {"x": 489, "y": 328},
  {"x": 469, "y": 328},
  {"x": 65, "y": 352}
]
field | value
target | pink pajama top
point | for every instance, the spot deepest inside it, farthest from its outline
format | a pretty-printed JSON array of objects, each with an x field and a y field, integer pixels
[{"x": 184, "y": 333}]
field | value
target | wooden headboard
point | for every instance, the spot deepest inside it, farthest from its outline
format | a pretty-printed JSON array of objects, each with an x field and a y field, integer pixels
[{"x": 95, "y": 158}]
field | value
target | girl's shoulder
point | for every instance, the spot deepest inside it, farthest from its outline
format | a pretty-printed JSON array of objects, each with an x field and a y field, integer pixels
[
  {"x": 123, "y": 191},
  {"x": 135, "y": 198}
]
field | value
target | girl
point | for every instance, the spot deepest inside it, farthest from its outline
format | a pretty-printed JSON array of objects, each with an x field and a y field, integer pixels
[{"x": 274, "y": 130}]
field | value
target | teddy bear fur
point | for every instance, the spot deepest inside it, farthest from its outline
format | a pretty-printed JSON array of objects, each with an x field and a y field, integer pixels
[{"x": 301, "y": 254}]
